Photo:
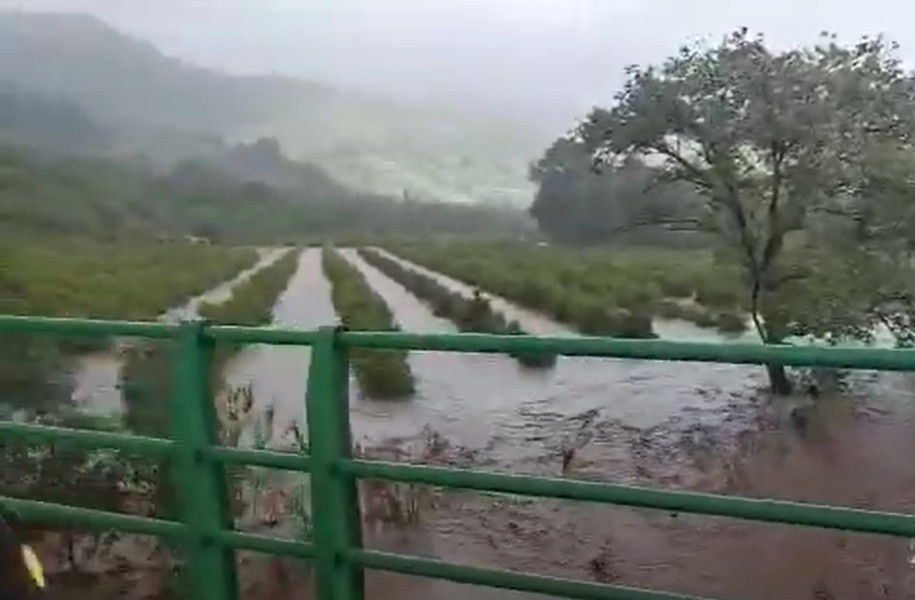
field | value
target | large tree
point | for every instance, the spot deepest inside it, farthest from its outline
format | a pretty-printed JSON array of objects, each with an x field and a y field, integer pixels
[
  {"x": 630, "y": 203},
  {"x": 783, "y": 146}
]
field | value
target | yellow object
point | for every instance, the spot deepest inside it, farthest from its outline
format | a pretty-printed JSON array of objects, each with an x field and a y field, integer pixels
[{"x": 33, "y": 565}]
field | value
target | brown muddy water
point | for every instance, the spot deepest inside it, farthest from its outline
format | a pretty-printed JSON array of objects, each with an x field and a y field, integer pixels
[{"x": 677, "y": 425}]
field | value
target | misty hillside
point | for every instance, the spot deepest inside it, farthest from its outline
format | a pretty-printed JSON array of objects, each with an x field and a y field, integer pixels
[
  {"x": 49, "y": 125},
  {"x": 172, "y": 106}
]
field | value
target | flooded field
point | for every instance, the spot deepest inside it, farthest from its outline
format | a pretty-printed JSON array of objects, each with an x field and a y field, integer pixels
[
  {"x": 678, "y": 425},
  {"x": 96, "y": 374}
]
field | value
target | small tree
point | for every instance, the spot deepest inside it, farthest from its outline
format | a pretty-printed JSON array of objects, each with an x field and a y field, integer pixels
[{"x": 777, "y": 144}]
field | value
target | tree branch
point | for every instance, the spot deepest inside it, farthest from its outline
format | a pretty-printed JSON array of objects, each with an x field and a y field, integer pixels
[
  {"x": 776, "y": 235},
  {"x": 696, "y": 174}
]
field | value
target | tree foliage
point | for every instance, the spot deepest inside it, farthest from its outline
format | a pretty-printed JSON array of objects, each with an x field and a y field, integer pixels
[
  {"x": 629, "y": 203},
  {"x": 780, "y": 145}
]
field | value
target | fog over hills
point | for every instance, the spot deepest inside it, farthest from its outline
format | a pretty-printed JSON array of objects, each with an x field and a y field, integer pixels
[
  {"x": 446, "y": 99},
  {"x": 166, "y": 105}
]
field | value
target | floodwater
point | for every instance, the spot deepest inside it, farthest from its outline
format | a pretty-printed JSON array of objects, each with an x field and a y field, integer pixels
[
  {"x": 96, "y": 376},
  {"x": 676, "y": 425}
]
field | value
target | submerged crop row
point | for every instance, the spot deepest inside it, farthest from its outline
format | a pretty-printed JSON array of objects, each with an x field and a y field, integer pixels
[
  {"x": 145, "y": 374},
  {"x": 599, "y": 292},
  {"x": 380, "y": 373},
  {"x": 474, "y": 314}
]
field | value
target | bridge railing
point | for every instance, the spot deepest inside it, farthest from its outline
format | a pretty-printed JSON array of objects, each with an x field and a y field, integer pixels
[{"x": 205, "y": 532}]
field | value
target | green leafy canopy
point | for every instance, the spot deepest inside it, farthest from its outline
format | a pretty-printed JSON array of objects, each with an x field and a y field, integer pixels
[{"x": 787, "y": 149}]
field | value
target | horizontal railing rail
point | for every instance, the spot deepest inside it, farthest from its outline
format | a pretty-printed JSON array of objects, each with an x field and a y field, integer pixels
[{"x": 205, "y": 532}]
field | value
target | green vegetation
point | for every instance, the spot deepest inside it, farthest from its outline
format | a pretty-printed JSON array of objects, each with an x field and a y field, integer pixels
[
  {"x": 381, "y": 374},
  {"x": 797, "y": 164},
  {"x": 599, "y": 292},
  {"x": 124, "y": 280},
  {"x": 67, "y": 474},
  {"x": 252, "y": 301},
  {"x": 236, "y": 197},
  {"x": 629, "y": 204},
  {"x": 469, "y": 314},
  {"x": 146, "y": 371}
]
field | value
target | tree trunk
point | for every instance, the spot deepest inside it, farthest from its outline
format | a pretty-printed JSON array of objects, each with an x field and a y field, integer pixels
[
  {"x": 778, "y": 380},
  {"x": 779, "y": 383},
  {"x": 71, "y": 551}
]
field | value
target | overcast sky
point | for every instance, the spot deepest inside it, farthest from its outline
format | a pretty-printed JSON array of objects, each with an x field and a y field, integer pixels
[{"x": 543, "y": 60}]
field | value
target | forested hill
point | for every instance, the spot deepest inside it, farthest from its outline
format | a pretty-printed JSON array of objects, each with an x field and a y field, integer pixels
[
  {"x": 110, "y": 199},
  {"x": 163, "y": 104},
  {"x": 49, "y": 125}
]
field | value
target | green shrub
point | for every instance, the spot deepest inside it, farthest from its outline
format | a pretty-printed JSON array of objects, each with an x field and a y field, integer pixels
[
  {"x": 671, "y": 309},
  {"x": 731, "y": 322},
  {"x": 674, "y": 286},
  {"x": 714, "y": 294}
]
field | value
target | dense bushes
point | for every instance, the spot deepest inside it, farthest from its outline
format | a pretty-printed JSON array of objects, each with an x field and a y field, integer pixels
[
  {"x": 599, "y": 292},
  {"x": 469, "y": 314},
  {"x": 80, "y": 278},
  {"x": 380, "y": 373}
]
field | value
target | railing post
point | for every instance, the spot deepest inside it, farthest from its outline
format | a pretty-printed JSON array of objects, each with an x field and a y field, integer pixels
[
  {"x": 334, "y": 498},
  {"x": 201, "y": 484}
]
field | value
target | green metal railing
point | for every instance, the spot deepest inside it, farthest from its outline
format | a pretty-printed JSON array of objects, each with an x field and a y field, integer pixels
[{"x": 205, "y": 532}]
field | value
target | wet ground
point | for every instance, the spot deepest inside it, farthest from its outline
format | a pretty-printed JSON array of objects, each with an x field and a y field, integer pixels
[{"x": 704, "y": 427}]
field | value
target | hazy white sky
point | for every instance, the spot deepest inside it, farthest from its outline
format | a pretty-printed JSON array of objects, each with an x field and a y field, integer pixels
[{"x": 546, "y": 60}]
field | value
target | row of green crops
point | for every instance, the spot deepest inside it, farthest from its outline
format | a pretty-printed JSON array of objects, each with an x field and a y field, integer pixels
[
  {"x": 146, "y": 372},
  {"x": 252, "y": 301},
  {"x": 600, "y": 291},
  {"x": 474, "y": 314},
  {"x": 380, "y": 373},
  {"x": 119, "y": 280}
]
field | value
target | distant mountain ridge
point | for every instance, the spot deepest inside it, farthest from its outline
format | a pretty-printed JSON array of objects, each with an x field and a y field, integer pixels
[{"x": 370, "y": 144}]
